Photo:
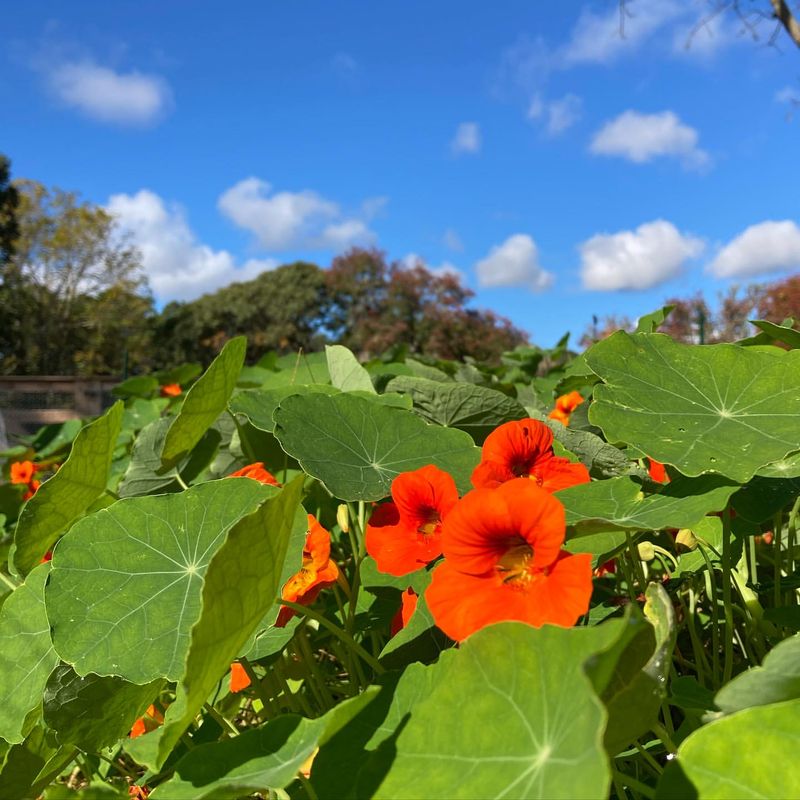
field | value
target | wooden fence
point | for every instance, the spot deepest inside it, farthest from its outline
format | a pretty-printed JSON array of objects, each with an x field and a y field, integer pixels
[{"x": 28, "y": 402}]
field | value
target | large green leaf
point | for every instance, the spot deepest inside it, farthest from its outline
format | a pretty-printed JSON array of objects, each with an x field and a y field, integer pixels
[
  {"x": 346, "y": 373},
  {"x": 777, "y": 679},
  {"x": 620, "y": 503},
  {"x": 720, "y": 408},
  {"x": 241, "y": 584},
  {"x": 477, "y": 410},
  {"x": 125, "y": 586},
  {"x": 256, "y": 760},
  {"x": 760, "y": 499},
  {"x": 782, "y": 333},
  {"x": 26, "y": 654},
  {"x": 357, "y": 447},
  {"x": 205, "y": 401},
  {"x": 93, "y": 712},
  {"x": 788, "y": 467},
  {"x": 515, "y": 717},
  {"x": 751, "y": 755},
  {"x": 69, "y": 493},
  {"x": 258, "y": 405}
]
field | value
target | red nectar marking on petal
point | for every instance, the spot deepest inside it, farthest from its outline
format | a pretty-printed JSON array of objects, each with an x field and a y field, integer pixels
[
  {"x": 513, "y": 564},
  {"x": 536, "y": 478}
]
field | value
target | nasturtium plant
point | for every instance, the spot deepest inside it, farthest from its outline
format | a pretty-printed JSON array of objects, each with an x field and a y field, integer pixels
[{"x": 314, "y": 578}]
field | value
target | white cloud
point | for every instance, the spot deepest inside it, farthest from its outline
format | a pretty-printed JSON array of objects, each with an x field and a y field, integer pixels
[
  {"x": 412, "y": 260},
  {"x": 766, "y": 247},
  {"x": 642, "y": 137},
  {"x": 598, "y": 37},
  {"x": 640, "y": 259},
  {"x": 452, "y": 241},
  {"x": 178, "y": 266},
  {"x": 302, "y": 220},
  {"x": 708, "y": 34},
  {"x": 789, "y": 95},
  {"x": 131, "y": 98},
  {"x": 515, "y": 262},
  {"x": 467, "y": 139},
  {"x": 557, "y": 115}
]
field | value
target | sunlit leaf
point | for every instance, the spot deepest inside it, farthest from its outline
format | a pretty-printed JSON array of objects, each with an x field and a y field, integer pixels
[
  {"x": 720, "y": 408},
  {"x": 346, "y": 373},
  {"x": 126, "y": 582},
  {"x": 69, "y": 493},
  {"x": 26, "y": 654},
  {"x": 204, "y": 402},
  {"x": 515, "y": 717},
  {"x": 357, "y": 447},
  {"x": 782, "y": 333}
]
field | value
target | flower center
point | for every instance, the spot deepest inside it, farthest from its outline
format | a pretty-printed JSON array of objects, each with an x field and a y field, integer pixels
[
  {"x": 430, "y": 522},
  {"x": 512, "y": 566}
]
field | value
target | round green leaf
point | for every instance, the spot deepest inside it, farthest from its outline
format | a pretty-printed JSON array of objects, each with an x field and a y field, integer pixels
[
  {"x": 126, "y": 581},
  {"x": 26, "y": 654},
  {"x": 720, "y": 408},
  {"x": 620, "y": 503},
  {"x": 751, "y": 755},
  {"x": 346, "y": 373},
  {"x": 513, "y": 716},
  {"x": 357, "y": 447}
]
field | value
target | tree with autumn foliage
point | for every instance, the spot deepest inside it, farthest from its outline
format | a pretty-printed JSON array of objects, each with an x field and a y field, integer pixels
[{"x": 376, "y": 305}]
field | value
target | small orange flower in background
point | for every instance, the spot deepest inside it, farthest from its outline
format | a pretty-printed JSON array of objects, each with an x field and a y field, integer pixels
[
  {"x": 257, "y": 473},
  {"x": 171, "y": 390},
  {"x": 150, "y": 721},
  {"x": 406, "y": 610},
  {"x": 565, "y": 405},
  {"x": 318, "y": 572},
  {"x": 503, "y": 561},
  {"x": 33, "y": 487},
  {"x": 405, "y": 534},
  {"x": 524, "y": 449},
  {"x": 657, "y": 471},
  {"x": 239, "y": 677},
  {"x": 23, "y": 471}
]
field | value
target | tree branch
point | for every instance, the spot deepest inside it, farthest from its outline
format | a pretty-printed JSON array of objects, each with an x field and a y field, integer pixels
[{"x": 784, "y": 15}]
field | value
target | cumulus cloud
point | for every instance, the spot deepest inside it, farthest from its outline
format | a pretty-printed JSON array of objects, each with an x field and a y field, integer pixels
[
  {"x": 515, "y": 262},
  {"x": 769, "y": 246},
  {"x": 302, "y": 220},
  {"x": 130, "y": 98},
  {"x": 650, "y": 255},
  {"x": 597, "y": 38},
  {"x": 557, "y": 115},
  {"x": 642, "y": 137},
  {"x": 178, "y": 266},
  {"x": 467, "y": 139}
]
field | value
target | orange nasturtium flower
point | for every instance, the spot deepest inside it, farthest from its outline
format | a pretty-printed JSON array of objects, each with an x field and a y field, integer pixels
[
  {"x": 404, "y": 613},
  {"x": 317, "y": 572},
  {"x": 565, "y": 405},
  {"x": 33, "y": 487},
  {"x": 23, "y": 471},
  {"x": 404, "y": 535},
  {"x": 239, "y": 677},
  {"x": 171, "y": 390},
  {"x": 524, "y": 449},
  {"x": 152, "y": 719},
  {"x": 503, "y": 561},
  {"x": 257, "y": 473},
  {"x": 657, "y": 471}
]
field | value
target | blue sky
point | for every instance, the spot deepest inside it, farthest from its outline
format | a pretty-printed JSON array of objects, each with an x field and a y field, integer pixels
[{"x": 562, "y": 169}]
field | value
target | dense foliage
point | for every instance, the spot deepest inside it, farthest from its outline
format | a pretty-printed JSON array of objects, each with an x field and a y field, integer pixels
[{"x": 316, "y": 578}]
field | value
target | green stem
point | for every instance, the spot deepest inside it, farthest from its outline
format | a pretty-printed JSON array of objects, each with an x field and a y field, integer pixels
[
  {"x": 181, "y": 482},
  {"x": 310, "y": 791},
  {"x": 711, "y": 591},
  {"x": 343, "y": 636},
  {"x": 726, "y": 594},
  {"x": 626, "y": 780},
  {"x": 318, "y": 683},
  {"x": 649, "y": 760},
  {"x": 8, "y": 581},
  {"x": 256, "y": 683},
  {"x": 777, "y": 536},
  {"x": 226, "y": 724},
  {"x": 666, "y": 739},
  {"x": 633, "y": 552}
]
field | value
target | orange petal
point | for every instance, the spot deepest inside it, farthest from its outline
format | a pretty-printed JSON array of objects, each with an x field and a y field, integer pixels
[{"x": 239, "y": 677}]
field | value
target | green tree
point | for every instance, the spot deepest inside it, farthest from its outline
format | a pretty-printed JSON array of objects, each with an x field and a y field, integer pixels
[
  {"x": 9, "y": 201},
  {"x": 279, "y": 310},
  {"x": 67, "y": 257}
]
